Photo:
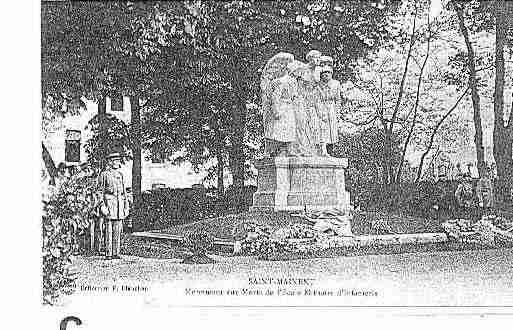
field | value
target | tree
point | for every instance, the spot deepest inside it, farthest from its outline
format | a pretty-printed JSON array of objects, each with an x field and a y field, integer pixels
[
  {"x": 365, "y": 150},
  {"x": 503, "y": 128},
  {"x": 196, "y": 125},
  {"x": 473, "y": 83},
  {"x": 434, "y": 133},
  {"x": 416, "y": 104},
  {"x": 136, "y": 150},
  {"x": 493, "y": 17},
  {"x": 402, "y": 90},
  {"x": 115, "y": 138},
  {"x": 96, "y": 50},
  {"x": 234, "y": 40}
]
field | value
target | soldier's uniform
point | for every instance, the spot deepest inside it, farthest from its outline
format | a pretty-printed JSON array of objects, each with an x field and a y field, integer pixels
[
  {"x": 465, "y": 197},
  {"x": 114, "y": 208},
  {"x": 484, "y": 191}
]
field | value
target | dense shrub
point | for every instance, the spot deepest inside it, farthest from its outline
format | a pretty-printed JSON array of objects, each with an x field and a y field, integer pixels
[
  {"x": 412, "y": 199},
  {"x": 199, "y": 243},
  {"x": 165, "y": 207},
  {"x": 232, "y": 203},
  {"x": 66, "y": 213}
]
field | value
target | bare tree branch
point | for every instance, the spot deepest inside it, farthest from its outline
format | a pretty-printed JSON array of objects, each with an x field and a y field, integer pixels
[
  {"x": 417, "y": 98},
  {"x": 405, "y": 72},
  {"x": 365, "y": 122},
  {"x": 435, "y": 131}
]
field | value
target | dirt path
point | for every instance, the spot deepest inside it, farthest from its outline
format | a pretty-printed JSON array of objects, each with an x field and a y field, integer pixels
[{"x": 440, "y": 278}]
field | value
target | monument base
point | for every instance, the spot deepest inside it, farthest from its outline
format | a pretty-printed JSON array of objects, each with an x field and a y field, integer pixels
[{"x": 296, "y": 183}]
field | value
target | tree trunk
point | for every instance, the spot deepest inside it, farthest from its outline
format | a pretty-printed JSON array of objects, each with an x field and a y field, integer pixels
[
  {"x": 388, "y": 169},
  {"x": 388, "y": 172},
  {"x": 502, "y": 131},
  {"x": 102, "y": 134},
  {"x": 415, "y": 107},
  {"x": 237, "y": 157},
  {"x": 136, "y": 152},
  {"x": 220, "y": 173},
  {"x": 49, "y": 164},
  {"x": 478, "y": 138}
]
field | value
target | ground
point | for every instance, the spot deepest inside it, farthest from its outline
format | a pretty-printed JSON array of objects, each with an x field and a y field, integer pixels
[
  {"x": 443, "y": 275},
  {"x": 465, "y": 278}
]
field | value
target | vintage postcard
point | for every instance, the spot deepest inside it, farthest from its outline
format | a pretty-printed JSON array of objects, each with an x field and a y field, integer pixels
[{"x": 264, "y": 156}]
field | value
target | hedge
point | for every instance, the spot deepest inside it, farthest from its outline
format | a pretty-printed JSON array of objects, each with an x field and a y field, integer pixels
[{"x": 166, "y": 207}]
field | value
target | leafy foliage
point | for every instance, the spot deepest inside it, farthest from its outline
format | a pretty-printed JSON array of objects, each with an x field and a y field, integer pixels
[
  {"x": 66, "y": 213},
  {"x": 365, "y": 150},
  {"x": 208, "y": 101},
  {"x": 94, "y": 48},
  {"x": 162, "y": 208},
  {"x": 117, "y": 139},
  {"x": 424, "y": 199}
]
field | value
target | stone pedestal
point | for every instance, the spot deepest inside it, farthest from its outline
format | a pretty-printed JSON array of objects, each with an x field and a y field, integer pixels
[{"x": 291, "y": 183}]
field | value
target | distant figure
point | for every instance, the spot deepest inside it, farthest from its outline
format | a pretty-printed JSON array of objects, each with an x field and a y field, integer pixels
[
  {"x": 62, "y": 170},
  {"x": 62, "y": 175},
  {"x": 114, "y": 204},
  {"x": 459, "y": 172},
  {"x": 469, "y": 169},
  {"x": 86, "y": 170},
  {"x": 465, "y": 197},
  {"x": 484, "y": 191}
]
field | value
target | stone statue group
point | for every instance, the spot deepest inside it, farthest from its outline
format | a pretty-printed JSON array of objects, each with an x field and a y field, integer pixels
[{"x": 300, "y": 103}]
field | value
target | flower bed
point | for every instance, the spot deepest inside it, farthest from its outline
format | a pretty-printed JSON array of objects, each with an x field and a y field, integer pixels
[{"x": 490, "y": 230}]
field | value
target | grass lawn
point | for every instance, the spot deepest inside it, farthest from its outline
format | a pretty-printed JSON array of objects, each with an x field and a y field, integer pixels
[
  {"x": 150, "y": 248},
  {"x": 362, "y": 224}
]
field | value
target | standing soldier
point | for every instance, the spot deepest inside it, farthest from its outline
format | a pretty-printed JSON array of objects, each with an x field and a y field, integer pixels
[
  {"x": 465, "y": 197},
  {"x": 114, "y": 204},
  {"x": 484, "y": 191},
  {"x": 459, "y": 173}
]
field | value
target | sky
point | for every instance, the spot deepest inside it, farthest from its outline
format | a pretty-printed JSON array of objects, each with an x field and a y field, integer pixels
[{"x": 436, "y": 7}]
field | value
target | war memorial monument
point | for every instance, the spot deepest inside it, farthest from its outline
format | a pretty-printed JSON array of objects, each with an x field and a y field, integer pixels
[{"x": 300, "y": 103}]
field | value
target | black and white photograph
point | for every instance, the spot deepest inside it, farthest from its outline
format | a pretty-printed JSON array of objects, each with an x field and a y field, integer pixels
[{"x": 276, "y": 154}]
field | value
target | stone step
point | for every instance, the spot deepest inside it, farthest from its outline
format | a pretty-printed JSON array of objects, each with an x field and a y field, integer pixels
[
  {"x": 179, "y": 238},
  {"x": 366, "y": 240},
  {"x": 418, "y": 238}
]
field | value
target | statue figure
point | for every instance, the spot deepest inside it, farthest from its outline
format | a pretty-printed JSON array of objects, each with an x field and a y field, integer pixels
[
  {"x": 313, "y": 58},
  {"x": 285, "y": 102},
  {"x": 299, "y": 106},
  {"x": 274, "y": 68},
  {"x": 329, "y": 105},
  {"x": 325, "y": 60},
  {"x": 305, "y": 144},
  {"x": 308, "y": 86}
]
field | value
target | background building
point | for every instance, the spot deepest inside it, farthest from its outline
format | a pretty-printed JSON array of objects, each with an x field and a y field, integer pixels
[{"x": 66, "y": 143}]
